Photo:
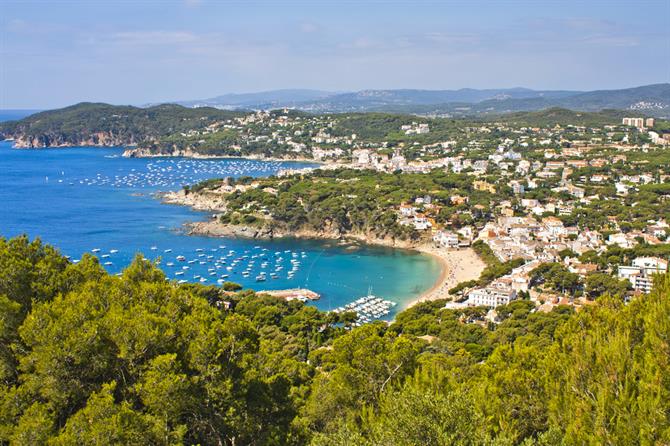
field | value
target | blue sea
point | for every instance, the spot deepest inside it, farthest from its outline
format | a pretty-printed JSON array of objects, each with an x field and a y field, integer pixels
[
  {"x": 93, "y": 200},
  {"x": 11, "y": 115}
]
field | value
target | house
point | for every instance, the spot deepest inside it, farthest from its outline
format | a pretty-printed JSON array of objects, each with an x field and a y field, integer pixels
[
  {"x": 467, "y": 232},
  {"x": 361, "y": 156},
  {"x": 554, "y": 165},
  {"x": 517, "y": 187},
  {"x": 529, "y": 202},
  {"x": 494, "y": 295},
  {"x": 623, "y": 240},
  {"x": 421, "y": 222},
  {"x": 583, "y": 269},
  {"x": 407, "y": 210},
  {"x": 484, "y": 186},
  {"x": 458, "y": 200},
  {"x": 621, "y": 189},
  {"x": 554, "y": 226},
  {"x": 641, "y": 271},
  {"x": 575, "y": 191},
  {"x": 446, "y": 239}
]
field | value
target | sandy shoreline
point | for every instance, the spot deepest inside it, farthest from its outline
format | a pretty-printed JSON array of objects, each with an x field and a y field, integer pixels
[{"x": 457, "y": 266}]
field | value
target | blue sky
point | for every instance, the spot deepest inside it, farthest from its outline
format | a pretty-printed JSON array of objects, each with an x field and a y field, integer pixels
[{"x": 58, "y": 52}]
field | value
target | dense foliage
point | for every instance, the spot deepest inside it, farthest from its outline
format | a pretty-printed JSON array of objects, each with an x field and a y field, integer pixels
[
  {"x": 105, "y": 124},
  {"x": 350, "y": 201},
  {"x": 89, "y": 358}
]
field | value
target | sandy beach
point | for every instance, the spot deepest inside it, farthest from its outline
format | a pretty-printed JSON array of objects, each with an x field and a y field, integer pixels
[{"x": 457, "y": 266}]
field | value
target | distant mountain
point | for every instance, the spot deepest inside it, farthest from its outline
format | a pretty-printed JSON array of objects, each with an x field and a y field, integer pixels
[
  {"x": 264, "y": 99},
  {"x": 646, "y": 98},
  {"x": 649, "y": 99}
]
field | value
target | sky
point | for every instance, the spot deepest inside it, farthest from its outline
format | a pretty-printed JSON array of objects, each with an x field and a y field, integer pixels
[{"x": 55, "y": 53}]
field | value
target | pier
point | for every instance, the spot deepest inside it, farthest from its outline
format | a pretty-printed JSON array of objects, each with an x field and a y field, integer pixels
[{"x": 292, "y": 294}]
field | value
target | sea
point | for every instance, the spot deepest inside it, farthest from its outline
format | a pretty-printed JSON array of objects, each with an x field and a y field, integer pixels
[{"x": 93, "y": 200}]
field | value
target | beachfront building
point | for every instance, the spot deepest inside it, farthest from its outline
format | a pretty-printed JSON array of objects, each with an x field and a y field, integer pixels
[
  {"x": 446, "y": 239},
  {"x": 497, "y": 293},
  {"x": 421, "y": 222},
  {"x": 640, "y": 273}
]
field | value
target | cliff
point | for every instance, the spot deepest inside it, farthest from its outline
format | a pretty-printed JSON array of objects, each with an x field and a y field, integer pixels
[
  {"x": 107, "y": 125},
  {"x": 54, "y": 139}
]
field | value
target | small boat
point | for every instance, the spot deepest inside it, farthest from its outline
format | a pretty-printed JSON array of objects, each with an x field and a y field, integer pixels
[
  {"x": 95, "y": 250},
  {"x": 113, "y": 251},
  {"x": 181, "y": 258}
]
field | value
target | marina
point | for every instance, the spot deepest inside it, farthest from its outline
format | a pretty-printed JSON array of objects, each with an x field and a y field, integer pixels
[
  {"x": 300, "y": 294},
  {"x": 120, "y": 218},
  {"x": 368, "y": 308}
]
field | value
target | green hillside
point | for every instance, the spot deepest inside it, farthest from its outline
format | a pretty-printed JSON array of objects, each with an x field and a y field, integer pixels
[
  {"x": 120, "y": 124},
  {"x": 89, "y": 358},
  {"x": 561, "y": 116}
]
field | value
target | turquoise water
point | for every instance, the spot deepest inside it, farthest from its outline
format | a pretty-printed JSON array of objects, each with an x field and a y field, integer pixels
[{"x": 84, "y": 199}]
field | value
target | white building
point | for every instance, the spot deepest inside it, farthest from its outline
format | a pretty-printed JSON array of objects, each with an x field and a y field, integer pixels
[
  {"x": 641, "y": 272},
  {"x": 492, "y": 296},
  {"x": 421, "y": 223},
  {"x": 634, "y": 122},
  {"x": 446, "y": 239}
]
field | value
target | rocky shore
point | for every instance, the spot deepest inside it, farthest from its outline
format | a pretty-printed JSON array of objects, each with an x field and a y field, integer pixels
[
  {"x": 55, "y": 140},
  {"x": 268, "y": 231},
  {"x": 202, "y": 201},
  {"x": 456, "y": 265}
]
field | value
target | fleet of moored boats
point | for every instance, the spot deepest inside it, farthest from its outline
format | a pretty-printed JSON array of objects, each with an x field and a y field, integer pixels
[
  {"x": 368, "y": 308},
  {"x": 221, "y": 264},
  {"x": 260, "y": 263},
  {"x": 175, "y": 173}
]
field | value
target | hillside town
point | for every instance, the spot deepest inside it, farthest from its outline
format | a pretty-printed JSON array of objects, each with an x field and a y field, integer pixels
[{"x": 573, "y": 197}]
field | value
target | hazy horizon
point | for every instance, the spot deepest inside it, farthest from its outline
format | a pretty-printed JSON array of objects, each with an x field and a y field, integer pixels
[{"x": 61, "y": 53}]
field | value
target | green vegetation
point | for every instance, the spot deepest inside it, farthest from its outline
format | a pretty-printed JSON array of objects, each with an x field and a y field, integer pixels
[
  {"x": 111, "y": 124},
  {"x": 561, "y": 116},
  {"x": 346, "y": 201},
  {"x": 88, "y": 358}
]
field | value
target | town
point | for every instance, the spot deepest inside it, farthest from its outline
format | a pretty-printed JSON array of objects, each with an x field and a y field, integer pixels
[{"x": 591, "y": 201}]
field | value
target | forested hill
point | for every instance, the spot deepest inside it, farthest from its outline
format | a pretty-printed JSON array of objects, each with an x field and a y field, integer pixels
[
  {"x": 107, "y": 125},
  {"x": 560, "y": 116},
  {"x": 166, "y": 128},
  {"x": 89, "y": 358}
]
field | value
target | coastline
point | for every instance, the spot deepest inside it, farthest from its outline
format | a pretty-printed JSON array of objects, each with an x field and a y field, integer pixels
[
  {"x": 455, "y": 265},
  {"x": 137, "y": 152},
  {"x": 132, "y": 151}
]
